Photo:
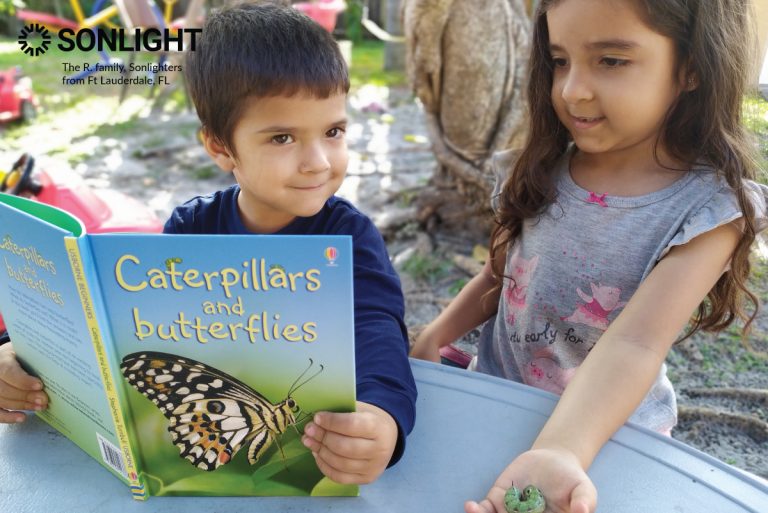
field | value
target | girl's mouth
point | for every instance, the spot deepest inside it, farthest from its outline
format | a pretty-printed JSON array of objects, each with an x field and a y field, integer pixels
[{"x": 584, "y": 122}]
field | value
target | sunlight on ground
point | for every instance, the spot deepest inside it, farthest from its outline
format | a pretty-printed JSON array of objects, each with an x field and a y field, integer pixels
[
  {"x": 9, "y": 47},
  {"x": 372, "y": 98},
  {"x": 762, "y": 248},
  {"x": 54, "y": 134}
]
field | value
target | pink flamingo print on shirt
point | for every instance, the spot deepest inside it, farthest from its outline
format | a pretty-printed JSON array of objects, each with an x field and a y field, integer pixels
[
  {"x": 544, "y": 371},
  {"x": 596, "y": 308},
  {"x": 521, "y": 272}
]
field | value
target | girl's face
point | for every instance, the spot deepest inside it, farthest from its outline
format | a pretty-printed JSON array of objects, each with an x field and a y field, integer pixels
[{"x": 614, "y": 77}]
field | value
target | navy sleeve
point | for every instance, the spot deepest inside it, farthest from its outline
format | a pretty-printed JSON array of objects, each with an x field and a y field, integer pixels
[
  {"x": 174, "y": 224},
  {"x": 384, "y": 376},
  {"x": 213, "y": 213}
]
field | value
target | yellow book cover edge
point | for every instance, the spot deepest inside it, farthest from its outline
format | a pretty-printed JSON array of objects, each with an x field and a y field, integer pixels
[{"x": 73, "y": 251}]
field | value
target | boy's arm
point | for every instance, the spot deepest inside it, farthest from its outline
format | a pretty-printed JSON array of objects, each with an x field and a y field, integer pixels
[
  {"x": 383, "y": 372},
  {"x": 474, "y": 304},
  {"x": 357, "y": 447},
  {"x": 616, "y": 375}
]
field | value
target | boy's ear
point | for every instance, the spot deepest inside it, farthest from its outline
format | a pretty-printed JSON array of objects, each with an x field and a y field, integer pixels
[{"x": 218, "y": 152}]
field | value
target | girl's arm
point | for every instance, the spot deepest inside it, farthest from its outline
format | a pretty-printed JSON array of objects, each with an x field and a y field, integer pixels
[
  {"x": 474, "y": 304},
  {"x": 616, "y": 376},
  {"x": 621, "y": 368}
]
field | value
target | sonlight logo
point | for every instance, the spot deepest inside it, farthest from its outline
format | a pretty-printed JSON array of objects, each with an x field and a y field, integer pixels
[
  {"x": 123, "y": 40},
  {"x": 34, "y": 39}
]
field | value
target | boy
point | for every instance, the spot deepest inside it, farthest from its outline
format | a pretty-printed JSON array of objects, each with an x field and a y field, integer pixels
[{"x": 270, "y": 87}]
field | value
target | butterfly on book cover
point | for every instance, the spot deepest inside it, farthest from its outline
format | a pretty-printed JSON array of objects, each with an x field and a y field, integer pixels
[{"x": 211, "y": 414}]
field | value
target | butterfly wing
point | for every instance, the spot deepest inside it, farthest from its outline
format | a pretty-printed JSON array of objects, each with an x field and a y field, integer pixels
[{"x": 211, "y": 414}]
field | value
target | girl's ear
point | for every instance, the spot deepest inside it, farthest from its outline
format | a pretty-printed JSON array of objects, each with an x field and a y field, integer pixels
[
  {"x": 689, "y": 80},
  {"x": 218, "y": 152}
]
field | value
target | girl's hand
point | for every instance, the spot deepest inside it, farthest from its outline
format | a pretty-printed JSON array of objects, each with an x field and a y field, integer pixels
[
  {"x": 352, "y": 448},
  {"x": 556, "y": 472},
  {"x": 18, "y": 390}
]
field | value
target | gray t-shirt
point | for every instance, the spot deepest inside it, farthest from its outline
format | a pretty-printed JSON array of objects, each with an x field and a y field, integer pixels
[{"x": 579, "y": 263}]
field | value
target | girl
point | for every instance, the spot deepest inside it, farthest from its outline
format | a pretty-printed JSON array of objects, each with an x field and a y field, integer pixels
[{"x": 629, "y": 208}]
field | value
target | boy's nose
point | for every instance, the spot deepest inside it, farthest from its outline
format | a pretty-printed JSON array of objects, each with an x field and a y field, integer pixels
[
  {"x": 314, "y": 160},
  {"x": 576, "y": 87}
]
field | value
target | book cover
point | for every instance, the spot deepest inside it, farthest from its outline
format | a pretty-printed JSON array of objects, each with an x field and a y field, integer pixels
[{"x": 219, "y": 349}]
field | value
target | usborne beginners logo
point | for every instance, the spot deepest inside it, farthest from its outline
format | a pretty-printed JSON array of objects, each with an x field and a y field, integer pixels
[{"x": 40, "y": 41}]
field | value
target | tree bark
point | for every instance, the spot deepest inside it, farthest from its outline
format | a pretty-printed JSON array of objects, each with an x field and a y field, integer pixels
[
  {"x": 466, "y": 61},
  {"x": 394, "y": 52}
]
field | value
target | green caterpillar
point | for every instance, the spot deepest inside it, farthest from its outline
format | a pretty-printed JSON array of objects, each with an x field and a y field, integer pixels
[{"x": 530, "y": 501}]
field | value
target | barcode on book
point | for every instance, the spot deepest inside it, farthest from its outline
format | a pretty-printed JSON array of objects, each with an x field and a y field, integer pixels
[{"x": 111, "y": 455}]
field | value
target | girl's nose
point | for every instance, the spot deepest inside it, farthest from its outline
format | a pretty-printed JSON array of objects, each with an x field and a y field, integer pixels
[
  {"x": 314, "y": 159},
  {"x": 576, "y": 86}
]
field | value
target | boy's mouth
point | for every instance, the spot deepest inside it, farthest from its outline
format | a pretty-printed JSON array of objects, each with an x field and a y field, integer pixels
[{"x": 309, "y": 187}]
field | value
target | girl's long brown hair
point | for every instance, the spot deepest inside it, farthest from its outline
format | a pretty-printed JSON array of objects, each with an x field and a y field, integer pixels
[{"x": 714, "y": 41}]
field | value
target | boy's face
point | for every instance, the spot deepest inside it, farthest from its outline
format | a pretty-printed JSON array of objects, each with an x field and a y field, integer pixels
[{"x": 291, "y": 157}]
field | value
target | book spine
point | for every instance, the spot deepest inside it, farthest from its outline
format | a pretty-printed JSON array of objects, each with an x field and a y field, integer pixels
[{"x": 86, "y": 299}]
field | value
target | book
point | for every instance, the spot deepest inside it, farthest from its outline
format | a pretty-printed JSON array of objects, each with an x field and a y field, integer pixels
[{"x": 185, "y": 364}]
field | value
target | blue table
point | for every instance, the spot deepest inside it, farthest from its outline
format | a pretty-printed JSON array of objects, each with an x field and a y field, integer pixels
[{"x": 469, "y": 427}]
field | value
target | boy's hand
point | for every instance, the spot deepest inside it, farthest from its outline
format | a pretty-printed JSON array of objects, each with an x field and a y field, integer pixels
[
  {"x": 352, "y": 448},
  {"x": 18, "y": 390},
  {"x": 556, "y": 472}
]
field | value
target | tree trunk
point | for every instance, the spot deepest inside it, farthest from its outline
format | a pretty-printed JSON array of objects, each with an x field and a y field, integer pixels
[
  {"x": 466, "y": 61},
  {"x": 394, "y": 52}
]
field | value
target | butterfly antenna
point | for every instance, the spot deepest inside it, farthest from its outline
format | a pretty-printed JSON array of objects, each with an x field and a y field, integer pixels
[
  {"x": 290, "y": 390},
  {"x": 295, "y": 387}
]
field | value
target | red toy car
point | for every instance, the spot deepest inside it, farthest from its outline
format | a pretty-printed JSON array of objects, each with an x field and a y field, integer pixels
[
  {"x": 100, "y": 210},
  {"x": 17, "y": 100}
]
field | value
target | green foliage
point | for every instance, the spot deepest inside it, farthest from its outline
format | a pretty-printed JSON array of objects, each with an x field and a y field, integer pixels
[
  {"x": 368, "y": 66},
  {"x": 353, "y": 16},
  {"x": 426, "y": 267},
  {"x": 457, "y": 285},
  {"x": 755, "y": 112},
  {"x": 8, "y": 7}
]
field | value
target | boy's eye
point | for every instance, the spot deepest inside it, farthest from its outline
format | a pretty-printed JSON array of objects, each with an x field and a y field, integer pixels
[
  {"x": 335, "y": 133},
  {"x": 282, "y": 139}
]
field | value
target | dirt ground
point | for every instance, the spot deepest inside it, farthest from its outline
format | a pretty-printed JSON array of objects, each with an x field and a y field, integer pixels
[{"x": 155, "y": 157}]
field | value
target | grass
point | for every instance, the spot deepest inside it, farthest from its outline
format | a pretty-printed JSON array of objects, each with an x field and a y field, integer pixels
[
  {"x": 756, "y": 120},
  {"x": 368, "y": 66},
  {"x": 426, "y": 268}
]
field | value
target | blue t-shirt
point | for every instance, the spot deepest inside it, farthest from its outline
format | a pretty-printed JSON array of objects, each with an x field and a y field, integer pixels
[{"x": 383, "y": 373}]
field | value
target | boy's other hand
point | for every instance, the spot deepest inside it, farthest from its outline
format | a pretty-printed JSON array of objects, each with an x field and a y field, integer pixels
[
  {"x": 352, "y": 448},
  {"x": 18, "y": 390}
]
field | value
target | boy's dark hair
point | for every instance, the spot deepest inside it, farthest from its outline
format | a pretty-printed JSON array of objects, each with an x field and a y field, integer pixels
[{"x": 259, "y": 50}]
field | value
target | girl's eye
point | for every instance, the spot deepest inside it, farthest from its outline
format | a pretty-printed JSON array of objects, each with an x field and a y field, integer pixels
[
  {"x": 559, "y": 62},
  {"x": 613, "y": 62},
  {"x": 335, "y": 133},
  {"x": 282, "y": 139}
]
